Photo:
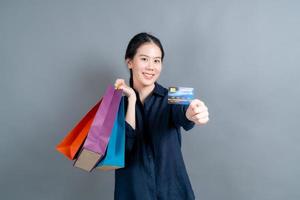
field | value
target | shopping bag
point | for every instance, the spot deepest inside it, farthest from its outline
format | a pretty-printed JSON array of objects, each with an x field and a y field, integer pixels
[
  {"x": 71, "y": 144},
  {"x": 115, "y": 153},
  {"x": 96, "y": 142}
]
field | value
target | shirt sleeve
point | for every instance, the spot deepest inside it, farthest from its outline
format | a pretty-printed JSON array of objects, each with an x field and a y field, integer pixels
[
  {"x": 178, "y": 117},
  {"x": 130, "y": 137}
]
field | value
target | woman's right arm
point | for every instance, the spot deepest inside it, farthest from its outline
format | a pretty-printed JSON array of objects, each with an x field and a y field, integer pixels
[
  {"x": 130, "y": 113},
  {"x": 129, "y": 92}
]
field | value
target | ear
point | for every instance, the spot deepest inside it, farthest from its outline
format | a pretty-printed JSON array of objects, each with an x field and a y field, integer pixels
[{"x": 129, "y": 63}]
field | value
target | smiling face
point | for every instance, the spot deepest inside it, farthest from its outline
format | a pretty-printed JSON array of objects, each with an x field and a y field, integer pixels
[{"x": 146, "y": 65}]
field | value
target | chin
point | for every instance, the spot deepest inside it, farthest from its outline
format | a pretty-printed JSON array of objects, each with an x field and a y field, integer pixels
[{"x": 148, "y": 83}]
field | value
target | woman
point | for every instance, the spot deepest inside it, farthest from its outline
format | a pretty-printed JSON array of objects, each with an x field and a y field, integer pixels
[{"x": 154, "y": 167}]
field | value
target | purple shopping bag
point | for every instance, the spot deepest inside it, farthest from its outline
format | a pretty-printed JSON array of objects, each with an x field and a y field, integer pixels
[
  {"x": 97, "y": 140},
  {"x": 115, "y": 153}
]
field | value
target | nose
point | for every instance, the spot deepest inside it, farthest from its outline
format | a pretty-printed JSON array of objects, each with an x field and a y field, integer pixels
[{"x": 150, "y": 66}]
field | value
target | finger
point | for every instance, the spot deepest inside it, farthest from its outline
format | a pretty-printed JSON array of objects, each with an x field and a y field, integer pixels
[
  {"x": 200, "y": 109},
  {"x": 200, "y": 103},
  {"x": 203, "y": 115},
  {"x": 202, "y": 120},
  {"x": 200, "y": 116},
  {"x": 197, "y": 103},
  {"x": 125, "y": 88},
  {"x": 196, "y": 110},
  {"x": 119, "y": 82},
  {"x": 194, "y": 103},
  {"x": 196, "y": 117},
  {"x": 120, "y": 87},
  {"x": 203, "y": 109}
]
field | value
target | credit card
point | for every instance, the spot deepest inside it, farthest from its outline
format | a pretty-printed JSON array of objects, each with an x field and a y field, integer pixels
[{"x": 180, "y": 95}]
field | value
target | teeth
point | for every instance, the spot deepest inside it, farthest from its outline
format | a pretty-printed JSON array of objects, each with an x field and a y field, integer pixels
[{"x": 148, "y": 75}]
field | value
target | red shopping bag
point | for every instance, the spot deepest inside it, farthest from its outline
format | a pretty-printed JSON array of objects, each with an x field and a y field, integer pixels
[{"x": 71, "y": 144}]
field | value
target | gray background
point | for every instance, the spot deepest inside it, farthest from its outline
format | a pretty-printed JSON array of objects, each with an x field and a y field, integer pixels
[{"x": 242, "y": 57}]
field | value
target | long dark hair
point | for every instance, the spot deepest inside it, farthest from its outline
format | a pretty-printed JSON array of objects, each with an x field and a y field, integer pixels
[{"x": 137, "y": 41}]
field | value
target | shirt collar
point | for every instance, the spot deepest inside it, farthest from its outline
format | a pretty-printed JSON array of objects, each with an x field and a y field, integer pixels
[{"x": 158, "y": 89}]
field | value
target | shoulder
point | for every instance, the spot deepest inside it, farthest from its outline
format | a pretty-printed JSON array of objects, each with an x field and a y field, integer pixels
[{"x": 160, "y": 90}]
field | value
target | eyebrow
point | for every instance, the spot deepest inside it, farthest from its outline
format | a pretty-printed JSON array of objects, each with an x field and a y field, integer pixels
[{"x": 149, "y": 56}]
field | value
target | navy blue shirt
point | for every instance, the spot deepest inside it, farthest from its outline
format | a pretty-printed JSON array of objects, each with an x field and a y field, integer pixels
[{"x": 154, "y": 166}]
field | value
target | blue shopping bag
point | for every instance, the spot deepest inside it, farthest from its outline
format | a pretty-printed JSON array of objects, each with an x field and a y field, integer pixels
[{"x": 115, "y": 153}]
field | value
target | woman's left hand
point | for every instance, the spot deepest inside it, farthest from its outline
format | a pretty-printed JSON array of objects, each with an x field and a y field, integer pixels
[{"x": 197, "y": 112}]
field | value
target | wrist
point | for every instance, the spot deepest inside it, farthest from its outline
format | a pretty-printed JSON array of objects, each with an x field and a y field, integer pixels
[{"x": 132, "y": 99}]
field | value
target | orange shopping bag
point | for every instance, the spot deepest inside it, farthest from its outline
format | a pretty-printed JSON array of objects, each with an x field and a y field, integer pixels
[{"x": 71, "y": 144}]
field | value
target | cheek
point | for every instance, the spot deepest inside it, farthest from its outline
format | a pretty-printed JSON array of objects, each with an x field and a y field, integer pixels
[
  {"x": 139, "y": 66},
  {"x": 158, "y": 70}
]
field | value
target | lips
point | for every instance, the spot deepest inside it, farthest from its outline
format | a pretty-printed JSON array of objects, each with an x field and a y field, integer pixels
[{"x": 148, "y": 75}]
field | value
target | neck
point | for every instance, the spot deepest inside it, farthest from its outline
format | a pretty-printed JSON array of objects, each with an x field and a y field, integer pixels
[{"x": 144, "y": 91}]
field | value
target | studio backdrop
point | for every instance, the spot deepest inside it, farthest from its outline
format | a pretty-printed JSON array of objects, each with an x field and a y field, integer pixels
[{"x": 242, "y": 58}]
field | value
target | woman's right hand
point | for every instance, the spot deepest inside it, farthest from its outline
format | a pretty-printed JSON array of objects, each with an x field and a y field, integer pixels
[{"x": 128, "y": 91}]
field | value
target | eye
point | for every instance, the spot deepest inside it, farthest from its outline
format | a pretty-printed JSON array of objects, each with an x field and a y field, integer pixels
[
  {"x": 157, "y": 61},
  {"x": 144, "y": 59}
]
